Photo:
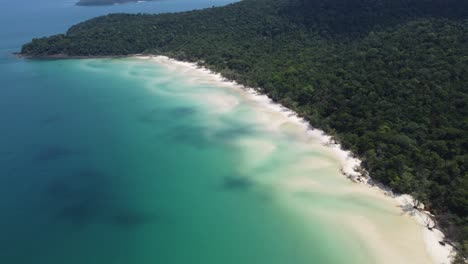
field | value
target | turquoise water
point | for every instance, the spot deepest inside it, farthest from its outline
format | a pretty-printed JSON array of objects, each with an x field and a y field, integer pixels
[
  {"x": 99, "y": 168},
  {"x": 143, "y": 161}
]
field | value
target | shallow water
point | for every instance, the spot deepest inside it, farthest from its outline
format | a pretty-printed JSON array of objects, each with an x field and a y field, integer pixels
[
  {"x": 119, "y": 171},
  {"x": 144, "y": 161}
]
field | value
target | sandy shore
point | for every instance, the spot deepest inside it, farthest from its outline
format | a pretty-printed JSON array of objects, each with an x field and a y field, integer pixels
[{"x": 438, "y": 253}]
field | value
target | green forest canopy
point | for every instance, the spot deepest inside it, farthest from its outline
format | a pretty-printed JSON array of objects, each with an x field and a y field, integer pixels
[{"x": 387, "y": 78}]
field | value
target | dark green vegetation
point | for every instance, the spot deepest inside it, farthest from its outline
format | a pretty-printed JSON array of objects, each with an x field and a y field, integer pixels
[
  {"x": 104, "y": 2},
  {"x": 388, "y": 78}
]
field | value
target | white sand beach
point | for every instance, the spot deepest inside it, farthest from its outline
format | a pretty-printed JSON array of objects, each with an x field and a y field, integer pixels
[{"x": 401, "y": 237}]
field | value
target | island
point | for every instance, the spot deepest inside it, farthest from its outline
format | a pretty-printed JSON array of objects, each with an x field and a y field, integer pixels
[
  {"x": 105, "y": 2},
  {"x": 387, "y": 79}
]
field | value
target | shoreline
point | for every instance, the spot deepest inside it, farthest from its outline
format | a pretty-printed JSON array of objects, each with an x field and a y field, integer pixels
[{"x": 350, "y": 165}]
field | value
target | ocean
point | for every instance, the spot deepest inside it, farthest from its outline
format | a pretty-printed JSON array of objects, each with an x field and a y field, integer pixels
[{"x": 146, "y": 160}]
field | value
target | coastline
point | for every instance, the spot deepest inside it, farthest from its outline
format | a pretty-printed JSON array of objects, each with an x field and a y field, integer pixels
[{"x": 350, "y": 165}]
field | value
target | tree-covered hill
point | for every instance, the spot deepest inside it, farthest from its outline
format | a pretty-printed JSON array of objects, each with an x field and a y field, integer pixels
[{"x": 388, "y": 78}]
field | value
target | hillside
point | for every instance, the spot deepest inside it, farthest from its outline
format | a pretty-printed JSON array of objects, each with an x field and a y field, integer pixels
[{"x": 387, "y": 78}]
